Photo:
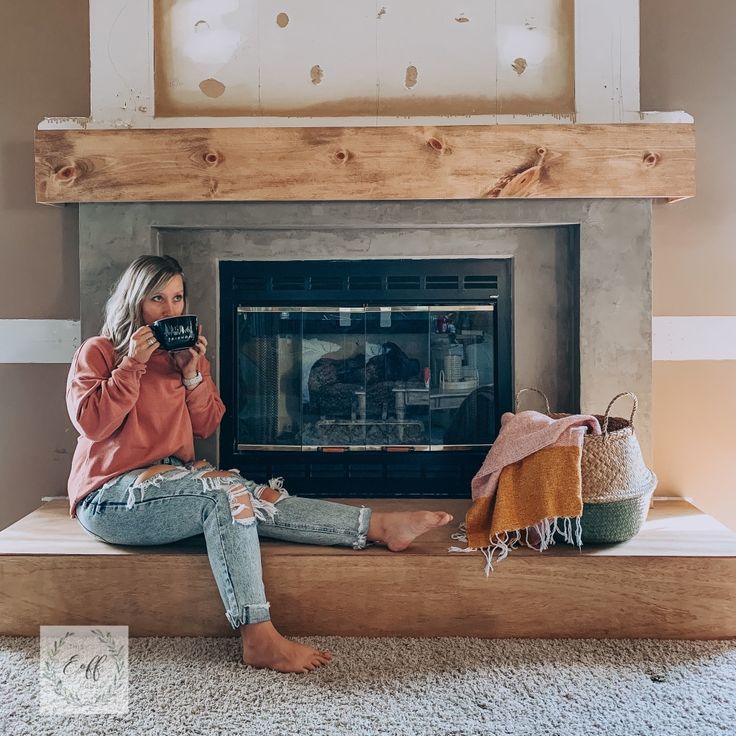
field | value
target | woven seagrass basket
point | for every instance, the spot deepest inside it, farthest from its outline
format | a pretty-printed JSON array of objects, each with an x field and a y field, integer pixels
[{"x": 617, "y": 485}]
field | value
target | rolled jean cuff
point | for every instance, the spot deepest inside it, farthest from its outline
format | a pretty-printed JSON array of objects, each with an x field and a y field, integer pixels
[
  {"x": 364, "y": 520},
  {"x": 252, "y": 614}
]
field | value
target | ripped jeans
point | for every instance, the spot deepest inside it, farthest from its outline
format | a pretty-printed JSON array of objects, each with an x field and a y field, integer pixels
[{"x": 182, "y": 503}]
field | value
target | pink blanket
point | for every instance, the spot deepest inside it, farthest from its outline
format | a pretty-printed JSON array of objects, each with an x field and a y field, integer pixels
[{"x": 522, "y": 435}]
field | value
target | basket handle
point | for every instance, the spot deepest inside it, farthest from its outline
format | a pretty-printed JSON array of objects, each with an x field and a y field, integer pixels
[
  {"x": 608, "y": 411},
  {"x": 535, "y": 390}
]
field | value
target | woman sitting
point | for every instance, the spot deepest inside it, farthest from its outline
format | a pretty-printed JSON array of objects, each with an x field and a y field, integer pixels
[{"x": 134, "y": 479}]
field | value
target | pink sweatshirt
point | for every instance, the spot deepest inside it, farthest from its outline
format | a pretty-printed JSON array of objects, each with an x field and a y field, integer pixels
[{"x": 132, "y": 416}]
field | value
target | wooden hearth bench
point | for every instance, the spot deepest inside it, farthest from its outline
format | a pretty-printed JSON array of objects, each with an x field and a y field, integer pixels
[{"x": 677, "y": 579}]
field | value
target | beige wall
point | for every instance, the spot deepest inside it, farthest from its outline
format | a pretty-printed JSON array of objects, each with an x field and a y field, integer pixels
[
  {"x": 44, "y": 70},
  {"x": 687, "y": 62}
]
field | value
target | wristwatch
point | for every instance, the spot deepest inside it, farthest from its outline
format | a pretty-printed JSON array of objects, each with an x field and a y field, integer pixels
[{"x": 192, "y": 382}]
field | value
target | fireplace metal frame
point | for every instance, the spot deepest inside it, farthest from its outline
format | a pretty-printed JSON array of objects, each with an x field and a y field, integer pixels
[{"x": 361, "y": 283}]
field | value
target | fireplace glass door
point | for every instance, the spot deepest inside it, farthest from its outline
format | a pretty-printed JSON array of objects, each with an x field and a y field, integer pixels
[{"x": 380, "y": 378}]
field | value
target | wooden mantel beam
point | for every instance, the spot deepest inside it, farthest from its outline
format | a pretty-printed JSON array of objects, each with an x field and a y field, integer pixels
[{"x": 370, "y": 163}]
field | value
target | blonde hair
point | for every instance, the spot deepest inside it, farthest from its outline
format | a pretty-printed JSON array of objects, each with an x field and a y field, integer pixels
[{"x": 124, "y": 308}]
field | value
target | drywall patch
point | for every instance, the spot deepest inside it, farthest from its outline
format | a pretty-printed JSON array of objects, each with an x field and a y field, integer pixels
[
  {"x": 411, "y": 77},
  {"x": 535, "y": 44},
  {"x": 212, "y": 87},
  {"x": 317, "y": 74},
  {"x": 196, "y": 40},
  {"x": 519, "y": 65},
  {"x": 282, "y": 20}
]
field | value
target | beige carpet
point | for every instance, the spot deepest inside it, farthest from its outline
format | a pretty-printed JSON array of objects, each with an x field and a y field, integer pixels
[{"x": 430, "y": 687}]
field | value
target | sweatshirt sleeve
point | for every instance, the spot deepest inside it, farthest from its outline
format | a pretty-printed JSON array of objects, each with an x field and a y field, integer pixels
[
  {"x": 98, "y": 396},
  {"x": 204, "y": 404}
]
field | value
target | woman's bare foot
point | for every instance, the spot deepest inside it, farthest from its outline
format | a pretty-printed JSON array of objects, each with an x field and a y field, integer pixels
[
  {"x": 398, "y": 529},
  {"x": 264, "y": 647}
]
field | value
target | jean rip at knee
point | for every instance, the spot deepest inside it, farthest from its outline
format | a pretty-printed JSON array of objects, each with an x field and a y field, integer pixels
[
  {"x": 245, "y": 494},
  {"x": 269, "y": 494}
]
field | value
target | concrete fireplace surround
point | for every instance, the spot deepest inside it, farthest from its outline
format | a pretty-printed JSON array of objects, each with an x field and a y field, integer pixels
[{"x": 582, "y": 273}]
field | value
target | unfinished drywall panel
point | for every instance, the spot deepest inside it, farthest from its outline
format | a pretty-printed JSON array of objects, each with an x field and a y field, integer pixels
[
  {"x": 206, "y": 57},
  {"x": 436, "y": 57},
  {"x": 460, "y": 57},
  {"x": 398, "y": 58},
  {"x": 121, "y": 49},
  {"x": 607, "y": 60},
  {"x": 535, "y": 46},
  {"x": 317, "y": 58}
]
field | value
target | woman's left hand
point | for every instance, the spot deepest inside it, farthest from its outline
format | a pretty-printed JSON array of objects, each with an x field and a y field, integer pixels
[{"x": 187, "y": 361}]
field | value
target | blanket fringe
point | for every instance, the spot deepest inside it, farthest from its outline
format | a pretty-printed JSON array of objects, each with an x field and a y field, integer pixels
[{"x": 539, "y": 537}]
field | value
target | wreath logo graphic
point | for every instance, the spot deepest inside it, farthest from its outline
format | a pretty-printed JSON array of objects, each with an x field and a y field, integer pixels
[{"x": 61, "y": 659}]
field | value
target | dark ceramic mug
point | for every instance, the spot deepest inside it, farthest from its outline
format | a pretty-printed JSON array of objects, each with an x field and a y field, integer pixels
[{"x": 176, "y": 333}]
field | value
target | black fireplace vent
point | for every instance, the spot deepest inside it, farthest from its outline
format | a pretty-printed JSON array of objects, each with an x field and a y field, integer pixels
[
  {"x": 444, "y": 281},
  {"x": 406, "y": 282},
  {"x": 287, "y": 283},
  {"x": 325, "y": 282},
  {"x": 364, "y": 282},
  {"x": 480, "y": 281},
  {"x": 250, "y": 283}
]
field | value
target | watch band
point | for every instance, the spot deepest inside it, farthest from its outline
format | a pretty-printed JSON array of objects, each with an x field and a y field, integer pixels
[{"x": 192, "y": 382}]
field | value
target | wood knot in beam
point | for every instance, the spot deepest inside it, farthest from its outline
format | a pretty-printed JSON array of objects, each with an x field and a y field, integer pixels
[
  {"x": 342, "y": 156},
  {"x": 522, "y": 181},
  {"x": 438, "y": 145},
  {"x": 213, "y": 188},
  {"x": 213, "y": 158},
  {"x": 650, "y": 160},
  {"x": 67, "y": 174}
]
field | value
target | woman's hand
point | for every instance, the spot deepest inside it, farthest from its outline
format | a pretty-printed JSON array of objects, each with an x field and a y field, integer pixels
[
  {"x": 187, "y": 361},
  {"x": 142, "y": 344}
]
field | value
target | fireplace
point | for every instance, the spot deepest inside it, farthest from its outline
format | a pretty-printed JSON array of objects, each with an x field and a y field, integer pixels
[
  {"x": 579, "y": 287},
  {"x": 353, "y": 374}
]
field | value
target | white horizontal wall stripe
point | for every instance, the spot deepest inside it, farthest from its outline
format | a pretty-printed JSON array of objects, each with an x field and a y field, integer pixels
[
  {"x": 674, "y": 338},
  {"x": 694, "y": 338},
  {"x": 38, "y": 340}
]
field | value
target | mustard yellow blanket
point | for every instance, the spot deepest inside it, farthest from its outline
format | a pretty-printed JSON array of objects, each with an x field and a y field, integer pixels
[{"x": 529, "y": 487}]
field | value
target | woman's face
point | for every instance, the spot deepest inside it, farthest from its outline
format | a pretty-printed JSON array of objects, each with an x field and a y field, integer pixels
[{"x": 166, "y": 302}]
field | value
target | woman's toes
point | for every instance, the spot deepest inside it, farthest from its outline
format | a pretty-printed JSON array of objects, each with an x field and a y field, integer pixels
[{"x": 443, "y": 518}]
